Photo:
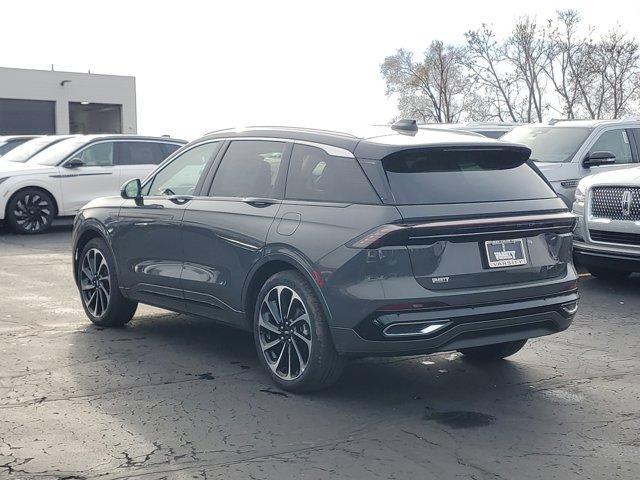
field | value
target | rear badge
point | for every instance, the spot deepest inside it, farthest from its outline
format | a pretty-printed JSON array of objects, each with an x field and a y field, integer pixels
[{"x": 440, "y": 280}]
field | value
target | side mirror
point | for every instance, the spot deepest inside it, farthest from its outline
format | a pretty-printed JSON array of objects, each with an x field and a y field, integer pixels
[
  {"x": 132, "y": 190},
  {"x": 73, "y": 163},
  {"x": 596, "y": 159}
]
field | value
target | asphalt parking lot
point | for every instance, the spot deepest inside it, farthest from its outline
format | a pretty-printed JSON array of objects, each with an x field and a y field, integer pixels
[{"x": 173, "y": 396}]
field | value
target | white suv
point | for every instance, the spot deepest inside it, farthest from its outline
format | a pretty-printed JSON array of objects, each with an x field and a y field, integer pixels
[
  {"x": 568, "y": 150},
  {"x": 607, "y": 235},
  {"x": 60, "y": 179}
]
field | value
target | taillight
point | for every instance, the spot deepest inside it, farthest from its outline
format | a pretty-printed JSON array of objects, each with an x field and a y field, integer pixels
[{"x": 379, "y": 237}]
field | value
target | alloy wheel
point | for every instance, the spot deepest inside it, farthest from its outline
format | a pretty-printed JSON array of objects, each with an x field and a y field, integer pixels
[
  {"x": 95, "y": 282},
  {"x": 32, "y": 212},
  {"x": 285, "y": 332}
]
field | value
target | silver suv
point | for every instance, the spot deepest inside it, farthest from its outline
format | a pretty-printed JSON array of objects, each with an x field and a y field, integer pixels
[
  {"x": 567, "y": 151},
  {"x": 607, "y": 235}
]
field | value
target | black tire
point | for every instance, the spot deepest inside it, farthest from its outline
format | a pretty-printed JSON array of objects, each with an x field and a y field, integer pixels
[
  {"x": 30, "y": 211},
  {"x": 608, "y": 273},
  {"x": 324, "y": 366},
  {"x": 119, "y": 310},
  {"x": 492, "y": 353}
]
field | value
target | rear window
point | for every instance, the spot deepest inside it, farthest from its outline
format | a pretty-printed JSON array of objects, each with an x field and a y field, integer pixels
[{"x": 429, "y": 176}]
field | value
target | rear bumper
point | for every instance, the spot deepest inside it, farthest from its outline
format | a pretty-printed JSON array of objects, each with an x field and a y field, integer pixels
[
  {"x": 466, "y": 327},
  {"x": 601, "y": 257}
]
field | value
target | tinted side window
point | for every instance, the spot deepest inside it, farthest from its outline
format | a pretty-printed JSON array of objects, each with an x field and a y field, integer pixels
[
  {"x": 169, "y": 148},
  {"x": 249, "y": 169},
  {"x": 140, "y": 153},
  {"x": 181, "y": 175},
  {"x": 98, "y": 155},
  {"x": 317, "y": 176},
  {"x": 615, "y": 141}
]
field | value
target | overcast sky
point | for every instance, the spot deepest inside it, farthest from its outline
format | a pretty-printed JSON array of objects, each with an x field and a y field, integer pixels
[{"x": 204, "y": 65}]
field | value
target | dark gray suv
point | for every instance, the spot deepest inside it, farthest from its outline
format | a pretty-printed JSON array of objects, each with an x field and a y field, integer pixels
[{"x": 329, "y": 245}]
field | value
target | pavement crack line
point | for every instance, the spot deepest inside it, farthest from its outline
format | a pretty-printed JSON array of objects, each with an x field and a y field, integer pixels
[{"x": 40, "y": 401}]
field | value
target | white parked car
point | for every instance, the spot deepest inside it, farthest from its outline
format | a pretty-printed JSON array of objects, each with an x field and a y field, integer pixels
[
  {"x": 607, "y": 235},
  {"x": 60, "y": 179},
  {"x": 31, "y": 148}
]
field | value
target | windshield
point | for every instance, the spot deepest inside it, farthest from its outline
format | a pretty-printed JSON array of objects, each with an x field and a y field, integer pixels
[
  {"x": 8, "y": 145},
  {"x": 549, "y": 144},
  {"x": 27, "y": 150},
  {"x": 56, "y": 153}
]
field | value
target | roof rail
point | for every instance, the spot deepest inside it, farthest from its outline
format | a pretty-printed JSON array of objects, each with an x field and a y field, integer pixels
[{"x": 303, "y": 129}]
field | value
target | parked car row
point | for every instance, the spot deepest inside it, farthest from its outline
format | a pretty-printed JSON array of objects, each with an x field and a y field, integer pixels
[
  {"x": 52, "y": 176},
  {"x": 327, "y": 245}
]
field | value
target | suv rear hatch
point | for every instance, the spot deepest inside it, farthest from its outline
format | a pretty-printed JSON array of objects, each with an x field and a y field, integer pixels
[{"x": 473, "y": 216}]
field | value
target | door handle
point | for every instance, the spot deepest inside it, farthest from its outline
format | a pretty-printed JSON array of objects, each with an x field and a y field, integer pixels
[
  {"x": 180, "y": 198},
  {"x": 260, "y": 202}
]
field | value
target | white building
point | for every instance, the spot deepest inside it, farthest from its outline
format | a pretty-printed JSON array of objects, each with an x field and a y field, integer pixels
[{"x": 50, "y": 102}]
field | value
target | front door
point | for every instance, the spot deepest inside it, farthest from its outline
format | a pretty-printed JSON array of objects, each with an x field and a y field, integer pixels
[
  {"x": 149, "y": 239},
  {"x": 225, "y": 230},
  {"x": 619, "y": 142},
  {"x": 94, "y": 176}
]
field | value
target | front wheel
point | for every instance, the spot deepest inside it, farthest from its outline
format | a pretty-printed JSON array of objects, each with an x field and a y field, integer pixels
[
  {"x": 30, "y": 211},
  {"x": 292, "y": 335},
  {"x": 102, "y": 300},
  {"x": 489, "y": 353}
]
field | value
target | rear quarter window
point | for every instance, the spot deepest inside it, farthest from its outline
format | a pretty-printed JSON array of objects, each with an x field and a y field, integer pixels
[
  {"x": 434, "y": 176},
  {"x": 314, "y": 175}
]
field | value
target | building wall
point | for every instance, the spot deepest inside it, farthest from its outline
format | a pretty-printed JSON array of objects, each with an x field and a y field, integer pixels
[{"x": 82, "y": 87}]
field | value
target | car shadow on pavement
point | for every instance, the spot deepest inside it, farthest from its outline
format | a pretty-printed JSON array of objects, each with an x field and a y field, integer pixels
[{"x": 189, "y": 394}]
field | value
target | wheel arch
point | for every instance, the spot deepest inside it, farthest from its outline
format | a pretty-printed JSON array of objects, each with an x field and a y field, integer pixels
[
  {"x": 88, "y": 232},
  {"x": 269, "y": 265}
]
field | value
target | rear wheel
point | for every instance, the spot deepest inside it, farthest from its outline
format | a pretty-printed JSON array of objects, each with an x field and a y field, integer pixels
[
  {"x": 99, "y": 290},
  {"x": 497, "y": 351},
  {"x": 30, "y": 211},
  {"x": 292, "y": 335},
  {"x": 608, "y": 273}
]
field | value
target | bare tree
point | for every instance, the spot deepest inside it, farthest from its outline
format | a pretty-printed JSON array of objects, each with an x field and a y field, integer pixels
[
  {"x": 485, "y": 61},
  {"x": 526, "y": 49},
  {"x": 619, "y": 58},
  {"x": 558, "y": 66},
  {"x": 430, "y": 90},
  {"x": 562, "y": 67}
]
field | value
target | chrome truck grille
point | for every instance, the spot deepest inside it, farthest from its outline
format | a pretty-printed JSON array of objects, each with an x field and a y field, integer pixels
[{"x": 616, "y": 203}]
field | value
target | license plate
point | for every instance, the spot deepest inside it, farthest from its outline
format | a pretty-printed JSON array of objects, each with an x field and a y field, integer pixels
[{"x": 505, "y": 253}]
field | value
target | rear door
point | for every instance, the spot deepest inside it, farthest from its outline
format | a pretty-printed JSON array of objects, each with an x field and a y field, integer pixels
[
  {"x": 225, "y": 229},
  {"x": 97, "y": 176}
]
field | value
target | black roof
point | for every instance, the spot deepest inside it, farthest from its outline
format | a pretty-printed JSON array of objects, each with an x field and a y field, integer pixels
[{"x": 373, "y": 142}]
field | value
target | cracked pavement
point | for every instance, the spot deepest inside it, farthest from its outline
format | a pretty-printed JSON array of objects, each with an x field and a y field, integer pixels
[{"x": 178, "y": 397}]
